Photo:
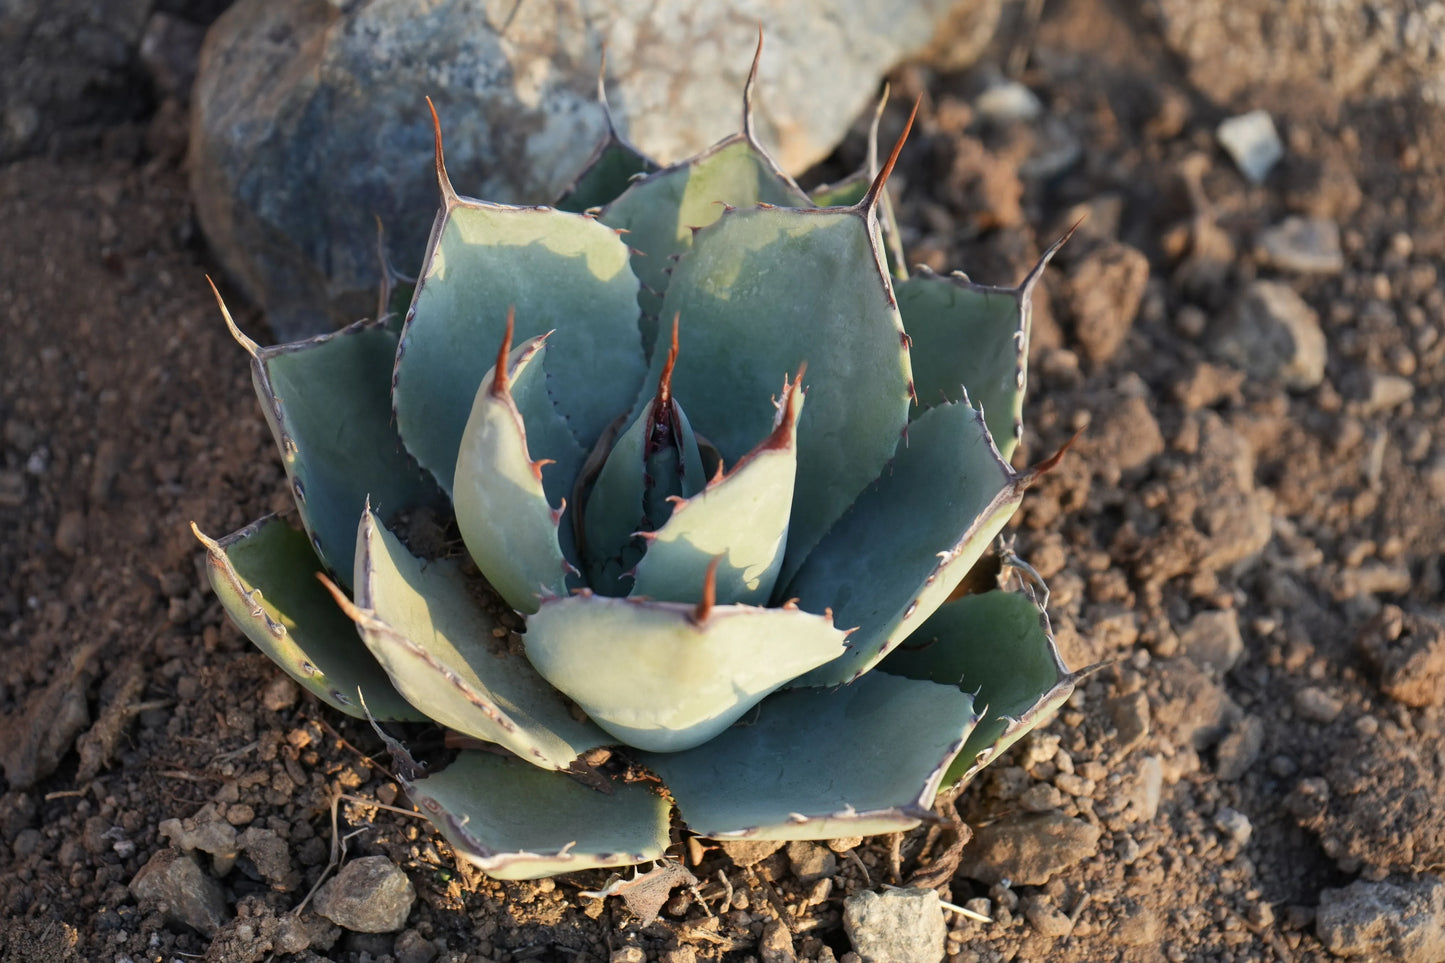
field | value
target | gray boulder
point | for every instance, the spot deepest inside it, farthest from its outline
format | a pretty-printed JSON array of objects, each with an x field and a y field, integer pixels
[{"x": 309, "y": 119}]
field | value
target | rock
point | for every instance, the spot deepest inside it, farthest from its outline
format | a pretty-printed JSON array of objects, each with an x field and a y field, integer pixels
[
  {"x": 1407, "y": 650},
  {"x": 1252, "y": 143},
  {"x": 1239, "y": 748},
  {"x": 1386, "y": 391},
  {"x": 1233, "y": 824},
  {"x": 811, "y": 861},
  {"x": 70, "y": 533},
  {"x": 206, "y": 831},
  {"x": 1102, "y": 291},
  {"x": 1304, "y": 245},
  {"x": 1213, "y": 639},
  {"x": 272, "y": 857},
  {"x": 750, "y": 852},
  {"x": 1141, "y": 789},
  {"x": 280, "y": 694},
  {"x": 1214, "y": 517},
  {"x": 1006, "y": 102},
  {"x": 368, "y": 895},
  {"x": 776, "y": 944},
  {"x": 896, "y": 925},
  {"x": 1193, "y": 708},
  {"x": 175, "y": 884},
  {"x": 1126, "y": 437},
  {"x": 309, "y": 120},
  {"x": 1047, "y": 918},
  {"x": 35, "y": 737},
  {"x": 1240, "y": 51},
  {"x": 1028, "y": 850},
  {"x": 1130, "y": 715},
  {"x": 1314, "y": 704},
  {"x": 1136, "y": 924},
  {"x": 1385, "y": 921},
  {"x": 1041, "y": 797},
  {"x": 1272, "y": 334}
]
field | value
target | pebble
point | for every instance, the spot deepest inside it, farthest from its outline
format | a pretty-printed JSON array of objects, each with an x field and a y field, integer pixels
[
  {"x": 1271, "y": 333},
  {"x": 1142, "y": 787},
  {"x": 1008, "y": 101},
  {"x": 70, "y": 533},
  {"x": 280, "y": 694},
  {"x": 368, "y": 895},
  {"x": 1103, "y": 290},
  {"x": 776, "y": 944},
  {"x": 1047, "y": 918},
  {"x": 750, "y": 852},
  {"x": 1239, "y": 749},
  {"x": 896, "y": 926},
  {"x": 1314, "y": 704},
  {"x": 1041, "y": 798},
  {"x": 1387, "y": 391},
  {"x": 175, "y": 884},
  {"x": 1195, "y": 708},
  {"x": 272, "y": 857},
  {"x": 1213, "y": 639},
  {"x": 1304, "y": 245},
  {"x": 1126, "y": 437},
  {"x": 1234, "y": 824},
  {"x": 629, "y": 954},
  {"x": 412, "y": 947},
  {"x": 1252, "y": 142},
  {"x": 811, "y": 861},
  {"x": 1028, "y": 850},
  {"x": 1407, "y": 650},
  {"x": 1385, "y": 921},
  {"x": 12, "y": 489},
  {"x": 1130, "y": 715}
]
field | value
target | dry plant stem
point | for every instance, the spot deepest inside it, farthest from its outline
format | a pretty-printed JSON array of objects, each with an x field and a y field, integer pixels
[{"x": 338, "y": 842}]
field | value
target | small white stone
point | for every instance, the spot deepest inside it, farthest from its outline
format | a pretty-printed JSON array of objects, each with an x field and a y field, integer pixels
[
  {"x": 1251, "y": 140},
  {"x": 1007, "y": 102},
  {"x": 1234, "y": 824}
]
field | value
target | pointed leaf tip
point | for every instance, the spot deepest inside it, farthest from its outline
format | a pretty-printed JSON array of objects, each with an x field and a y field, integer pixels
[
  {"x": 342, "y": 602},
  {"x": 875, "y": 190},
  {"x": 664, "y": 383},
  {"x": 1035, "y": 472},
  {"x": 709, "y": 593},
  {"x": 252, "y": 348},
  {"x": 210, "y": 543},
  {"x": 444, "y": 183},
  {"x": 748, "y": 87},
  {"x": 499, "y": 379}
]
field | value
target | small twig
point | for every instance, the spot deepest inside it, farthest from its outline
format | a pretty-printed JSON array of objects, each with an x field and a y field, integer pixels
[
  {"x": 189, "y": 776},
  {"x": 362, "y": 800},
  {"x": 235, "y": 753},
  {"x": 867, "y": 876},
  {"x": 895, "y": 856},
  {"x": 64, "y": 794},
  {"x": 342, "y": 739},
  {"x": 139, "y": 707},
  {"x": 727, "y": 902},
  {"x": 338, "y": 853}
]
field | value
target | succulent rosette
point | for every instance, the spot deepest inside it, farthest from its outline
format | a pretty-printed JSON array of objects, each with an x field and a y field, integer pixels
[{"x": 718, "y": 477}]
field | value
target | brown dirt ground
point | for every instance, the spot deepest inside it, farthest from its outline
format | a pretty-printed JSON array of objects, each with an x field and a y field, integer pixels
[{"x": 127, "y": 699}]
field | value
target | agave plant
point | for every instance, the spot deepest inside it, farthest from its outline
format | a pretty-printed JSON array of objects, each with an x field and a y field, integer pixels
[{"x": 719, "y": 477}]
